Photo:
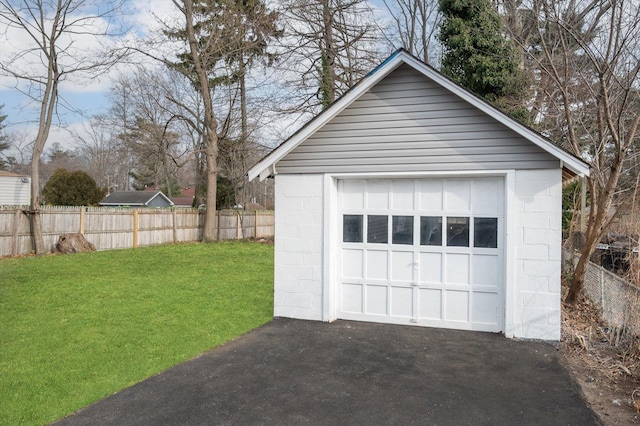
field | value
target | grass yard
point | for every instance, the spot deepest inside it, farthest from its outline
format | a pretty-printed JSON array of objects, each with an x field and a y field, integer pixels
[{"x": 76, "y": 328}]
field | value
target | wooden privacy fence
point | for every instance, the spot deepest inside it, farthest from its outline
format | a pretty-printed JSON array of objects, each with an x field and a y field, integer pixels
[{"x": 115, "y": 228}]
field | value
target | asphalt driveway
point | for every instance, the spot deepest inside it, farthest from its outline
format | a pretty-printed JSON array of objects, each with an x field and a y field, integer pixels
[{"x": 292, "y": 372}]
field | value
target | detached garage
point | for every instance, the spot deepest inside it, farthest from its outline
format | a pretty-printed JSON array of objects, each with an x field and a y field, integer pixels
[{"x": 411, "y": 201}]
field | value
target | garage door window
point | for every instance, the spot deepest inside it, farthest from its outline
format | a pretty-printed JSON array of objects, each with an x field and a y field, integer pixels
[
  {"x": 457, "y": 231},
  {"x": 352, "y": 228},
  {"x": 430, "y": 230},
  {"x": 485, "y": 232},
  {"x": 377, "y": 229},
  {"x": 402, "y": 230}
]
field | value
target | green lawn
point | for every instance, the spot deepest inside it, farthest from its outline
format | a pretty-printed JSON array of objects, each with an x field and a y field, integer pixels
[{"x": 76, "y": 328}]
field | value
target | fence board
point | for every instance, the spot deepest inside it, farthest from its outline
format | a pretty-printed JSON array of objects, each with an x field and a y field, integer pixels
[{"x": 111, "y": 228}]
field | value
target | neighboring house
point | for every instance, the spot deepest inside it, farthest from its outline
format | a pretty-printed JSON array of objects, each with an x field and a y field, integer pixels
[
  {"x": 15, "y": 189},
  {"x": 412, "y": 201},
  {"x": 136, "y": 199},
  {"x": 184, "y": 202},
  {"x": 185, "y": 199}
]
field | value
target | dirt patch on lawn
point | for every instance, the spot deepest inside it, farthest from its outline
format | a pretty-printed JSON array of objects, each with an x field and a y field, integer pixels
[{"x": 604, "y": 362}]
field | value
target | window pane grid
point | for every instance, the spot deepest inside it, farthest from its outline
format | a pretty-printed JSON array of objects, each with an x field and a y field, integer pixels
[{"x": 457, "y": 232}]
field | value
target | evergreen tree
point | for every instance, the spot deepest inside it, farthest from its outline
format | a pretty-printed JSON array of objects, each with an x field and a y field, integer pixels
[
  {"x": 478, "y": 56},
  {"x": 65, "y": 188}
]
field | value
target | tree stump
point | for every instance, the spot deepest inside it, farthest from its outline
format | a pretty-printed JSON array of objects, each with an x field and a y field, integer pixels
[{"x": 73, "y": 243}]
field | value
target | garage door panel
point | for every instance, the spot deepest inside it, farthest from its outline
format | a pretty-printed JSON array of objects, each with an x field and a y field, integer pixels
[
  {"x": 457, "y": 268},
  {"x": 485, "y": 269},
  {"x": 430, "y": 304},
  {"x": 456, "y": 305},
  {"x": 377, "y": 300},
  {"x": 402, "y": 266},
  {"x": 352, "y": 263},
  {"x": 402, "y": 194},
  {"x": 352, "y": 298},
  {"x": 377, "y": 265},
  {"x": 430, "y": 195},
  {"x": 457, "y": 195},
  {"x": 377, "y": 194},
  {"x": 353, "y": 194},
  {"x": 431, "y": 267},
  {"x": 484, "y": 197},
  {"x": 402, "y": 302},
  {"x": 485, "y": 308}
]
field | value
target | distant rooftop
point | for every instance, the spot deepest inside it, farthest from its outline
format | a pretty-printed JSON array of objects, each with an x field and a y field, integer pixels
[{"x": 132, "y": 198}]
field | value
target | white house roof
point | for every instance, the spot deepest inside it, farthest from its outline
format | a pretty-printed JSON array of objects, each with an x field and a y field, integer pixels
[{"x": 571, "y": 164}]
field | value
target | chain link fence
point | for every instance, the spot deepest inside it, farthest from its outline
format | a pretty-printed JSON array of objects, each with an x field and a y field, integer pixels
[{"x": 617, "y": 299}]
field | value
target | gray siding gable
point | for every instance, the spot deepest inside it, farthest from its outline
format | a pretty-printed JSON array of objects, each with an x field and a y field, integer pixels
[{"x": 409, "y": 123}]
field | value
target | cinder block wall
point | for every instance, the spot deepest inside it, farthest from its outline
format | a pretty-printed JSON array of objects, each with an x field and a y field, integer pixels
[
  {"x": 298, "y": 246},
  {"x": 536, "y": 284},
  {"x": 538, "y": 209}
]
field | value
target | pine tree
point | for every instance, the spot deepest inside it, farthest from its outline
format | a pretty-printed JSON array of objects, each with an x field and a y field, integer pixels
[{"x": 478, "y": 56}]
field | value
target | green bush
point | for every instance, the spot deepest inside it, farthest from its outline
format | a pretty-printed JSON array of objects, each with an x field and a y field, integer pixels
[{"x": 65, "y": 188}]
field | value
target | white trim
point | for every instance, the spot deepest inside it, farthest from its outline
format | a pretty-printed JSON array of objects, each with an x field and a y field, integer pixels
[
  {"x": 394, "y": 61},
  {"x": 409, "y": 175},
  {"x": 329, "y": 241},
  {"x": 510, "y": 216},
  {"x": 331, "y": 284}
]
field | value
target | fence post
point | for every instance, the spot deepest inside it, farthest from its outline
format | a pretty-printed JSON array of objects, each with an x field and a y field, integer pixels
[
  {"x": 16, "y": 232},
  {"x": 82, "y": 220},
  {"x": 255, "y": 224},
  {"x": 602, "y": 289},
  {"x": 135, "y": 228},
  {"x": 175, "y": 227},
  {"x": 238, "y": 221}
]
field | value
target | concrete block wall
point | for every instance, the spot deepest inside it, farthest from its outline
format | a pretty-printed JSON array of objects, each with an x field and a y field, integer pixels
[
  {"x": 538, "y": 208},
  {"x": 298, "y": 246}
]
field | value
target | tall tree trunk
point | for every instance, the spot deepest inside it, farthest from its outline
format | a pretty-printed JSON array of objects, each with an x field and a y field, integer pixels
[
  {"x": 210, "y": 126},
  {"x": 35, "y": 226},
  {"x": 328, "y": 79},
  {"x": 47, "y": 107}
]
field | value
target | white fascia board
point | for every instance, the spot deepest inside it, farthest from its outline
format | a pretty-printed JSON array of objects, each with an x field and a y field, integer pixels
[
  {"x": 324, "y": 117},
  {"x": 572, "y": 163}
]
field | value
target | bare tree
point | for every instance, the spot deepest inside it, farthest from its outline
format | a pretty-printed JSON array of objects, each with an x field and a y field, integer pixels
[
  {"x": 414, "y": 26},
  {"x": 586, "y": 54},
  {"x": 97, "y": 148},
  {"x": 330, "y": 45},
  {"x": 52, "y": 30},
  {"x": 200, "y": 57},
  {"x": 19, "y": 153}
]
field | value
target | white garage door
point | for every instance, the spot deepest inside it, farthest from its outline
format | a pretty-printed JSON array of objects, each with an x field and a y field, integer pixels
[{"x": 425, "y": 252}]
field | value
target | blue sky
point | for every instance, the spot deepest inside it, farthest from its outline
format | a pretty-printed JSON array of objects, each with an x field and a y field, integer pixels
[{"x": 89, "y": 97}]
